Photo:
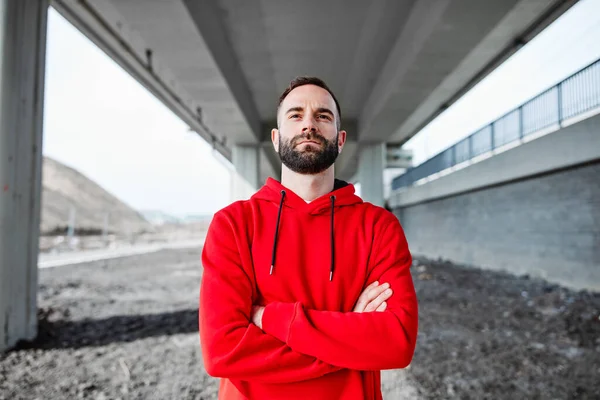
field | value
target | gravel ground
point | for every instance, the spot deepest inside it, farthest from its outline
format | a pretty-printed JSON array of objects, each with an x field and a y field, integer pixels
[{"x": 127, "y": 329}]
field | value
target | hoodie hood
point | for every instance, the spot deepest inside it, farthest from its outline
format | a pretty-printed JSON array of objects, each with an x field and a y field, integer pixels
[
  {"x": 343, "y": 192},
  {"x": 342, "y": 195}
]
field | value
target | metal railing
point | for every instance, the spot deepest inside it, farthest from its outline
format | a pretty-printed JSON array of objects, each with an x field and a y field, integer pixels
[{"x": 574, "y": 96}]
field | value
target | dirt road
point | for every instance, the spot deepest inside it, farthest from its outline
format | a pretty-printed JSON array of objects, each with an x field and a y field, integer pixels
[{"x": 127, "y": 329}]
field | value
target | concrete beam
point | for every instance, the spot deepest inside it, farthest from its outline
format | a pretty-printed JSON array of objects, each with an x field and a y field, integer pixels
[
  {"x": 423, "y": 19},
  {"x": 22, "y": 70},
  {"x": 369, "y": 35},
  {"x": 422, "y": 77},
  {"x": 208, "y": 19},
  {"x": 523, "y": 23}
]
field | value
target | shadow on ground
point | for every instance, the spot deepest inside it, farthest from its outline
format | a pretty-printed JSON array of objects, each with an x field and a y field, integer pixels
[{"x": 57, "y": 332}]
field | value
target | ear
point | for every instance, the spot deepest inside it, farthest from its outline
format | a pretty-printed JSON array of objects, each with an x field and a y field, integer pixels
[
  {"x": 341, "y": 140},
  {"x": 275, "y": 139}
]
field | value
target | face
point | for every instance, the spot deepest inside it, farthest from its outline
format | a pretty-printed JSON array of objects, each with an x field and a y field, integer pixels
[{"x": 308, "y": 141}]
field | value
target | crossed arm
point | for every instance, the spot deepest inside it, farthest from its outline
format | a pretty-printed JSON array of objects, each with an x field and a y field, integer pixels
[
  {"x": 235, "y": 348},
  {"x": 373, "y": 298}
]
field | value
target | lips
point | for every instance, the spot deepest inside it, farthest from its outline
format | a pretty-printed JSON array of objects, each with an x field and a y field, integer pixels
[{"x": 309, "y": 141}]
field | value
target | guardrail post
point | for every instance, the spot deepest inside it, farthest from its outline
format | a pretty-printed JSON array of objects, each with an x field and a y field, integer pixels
[
  {"x": 559, "y": 98},
  {"x": 470, "y": 147},
  {"x": 521, "y": 128},
  {"x": 492, "y": 139}
]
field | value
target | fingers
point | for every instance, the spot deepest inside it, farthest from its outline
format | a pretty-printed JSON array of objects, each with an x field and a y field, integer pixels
[
  {"x": 379, "y": 300},
  {"x": 362, "y": 301},
  {"x": 382, "y": 307},
  {"x": 374, "y": 292},
  {"x": 366, "y": 296},
  {"x": 256, "y": 317},
  {"x": 372, "y": 297}
]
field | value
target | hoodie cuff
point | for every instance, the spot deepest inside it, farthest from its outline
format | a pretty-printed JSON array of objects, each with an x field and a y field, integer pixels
[{"x": 277, "y": 319}]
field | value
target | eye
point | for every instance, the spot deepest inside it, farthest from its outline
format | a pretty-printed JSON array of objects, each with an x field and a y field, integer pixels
[
  {"x": 325, "y": 117},
  {"x": 294, "y": 116}
]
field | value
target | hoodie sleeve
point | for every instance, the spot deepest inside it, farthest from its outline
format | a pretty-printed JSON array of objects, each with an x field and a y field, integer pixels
[
  {"x": 361, "y": 341},
  {"x": 232, "y": 346}
]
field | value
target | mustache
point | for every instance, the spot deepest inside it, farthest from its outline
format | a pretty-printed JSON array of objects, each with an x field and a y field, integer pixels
[{"x": 308, "y": 136}]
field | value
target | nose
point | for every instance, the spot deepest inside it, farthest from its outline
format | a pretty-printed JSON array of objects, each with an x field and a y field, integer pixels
[{"x": 309, "y": 126}]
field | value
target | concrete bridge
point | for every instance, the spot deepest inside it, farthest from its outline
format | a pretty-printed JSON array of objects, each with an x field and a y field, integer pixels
[{"x": 220, "y": 66}]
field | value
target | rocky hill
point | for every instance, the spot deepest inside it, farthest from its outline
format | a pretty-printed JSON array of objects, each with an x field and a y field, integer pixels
[{"x": 65, "y": 189}]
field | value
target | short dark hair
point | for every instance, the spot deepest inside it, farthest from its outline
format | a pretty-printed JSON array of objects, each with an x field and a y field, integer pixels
[{"x": 310, "y": 80}]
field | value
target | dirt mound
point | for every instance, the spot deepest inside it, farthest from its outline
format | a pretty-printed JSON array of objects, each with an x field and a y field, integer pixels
[
  {"x": 492, "y": 335},
  {"x": 65, "y": 189}
]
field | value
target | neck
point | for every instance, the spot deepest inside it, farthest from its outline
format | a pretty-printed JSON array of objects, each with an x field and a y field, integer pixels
[{"x": 308, "y": 187}]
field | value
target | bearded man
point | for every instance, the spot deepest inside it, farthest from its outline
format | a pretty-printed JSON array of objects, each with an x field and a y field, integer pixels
[{"x": 306, "y": 290}]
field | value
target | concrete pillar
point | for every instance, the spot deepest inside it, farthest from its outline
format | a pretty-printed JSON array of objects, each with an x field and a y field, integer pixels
[
  {"x": 272, "y": 162},
  {"x": 22, "y": 64},
  {"x": 371, "y": 162},
  {"x": 245, "y": 179}
]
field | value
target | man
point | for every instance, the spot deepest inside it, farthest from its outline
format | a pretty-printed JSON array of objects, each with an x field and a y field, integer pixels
[{"x": 295, "y": 301}]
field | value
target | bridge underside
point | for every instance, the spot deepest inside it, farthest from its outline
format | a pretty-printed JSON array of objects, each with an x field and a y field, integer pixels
[
  {"x": 220, "y": 66},
  {"x": 394, "y": 65}
]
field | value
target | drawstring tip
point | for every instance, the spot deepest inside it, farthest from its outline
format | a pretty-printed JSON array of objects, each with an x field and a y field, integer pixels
[
  {"x": 271, "y": 273},
  {"x": 330, "y": 276}
]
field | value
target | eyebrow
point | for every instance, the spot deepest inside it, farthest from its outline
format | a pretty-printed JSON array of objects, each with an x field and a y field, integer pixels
[
  {"x": 319, "y": 110},
  {"x": 294, "y": 109},
  {"x": 325, "y": 110}
]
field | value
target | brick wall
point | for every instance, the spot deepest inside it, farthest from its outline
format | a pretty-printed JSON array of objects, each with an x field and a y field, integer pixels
[{"x": 546, "y": 226}]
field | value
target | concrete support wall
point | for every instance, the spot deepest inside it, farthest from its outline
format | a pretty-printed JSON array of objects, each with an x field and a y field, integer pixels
[
  {"x": 534, "y": 209},
  {"x": 22, "y": 63},
  {"x": 371, "y": 162},
  {"x": 546, "y": 226},
  {"x": 245, "y": 181}
]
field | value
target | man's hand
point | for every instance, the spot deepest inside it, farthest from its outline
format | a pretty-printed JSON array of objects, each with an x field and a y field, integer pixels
[
  {"x": 373, "y": 298},
  {"x": 257, "y": 313}
]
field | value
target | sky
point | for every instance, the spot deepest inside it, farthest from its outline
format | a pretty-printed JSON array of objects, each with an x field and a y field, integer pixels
[{"x": 102, "y": 122}]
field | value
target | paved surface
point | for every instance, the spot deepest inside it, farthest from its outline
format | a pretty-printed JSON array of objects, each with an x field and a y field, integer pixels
[{"x": 51, "y": 260}]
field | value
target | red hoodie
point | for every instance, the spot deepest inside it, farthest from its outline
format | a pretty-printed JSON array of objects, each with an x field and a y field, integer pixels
[{"x": 312, "y": 345}]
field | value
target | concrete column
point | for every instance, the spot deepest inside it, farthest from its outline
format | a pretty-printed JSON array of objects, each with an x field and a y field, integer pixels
[
  {"x": 371, "y": 162},
  {"x": 22, "y": 64},
  {"x": 272, "y": 162},
  {"x": 245, "y": 179}
]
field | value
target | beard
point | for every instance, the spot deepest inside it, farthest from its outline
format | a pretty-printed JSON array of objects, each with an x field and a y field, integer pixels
[{"x": 311, "y": 160}]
